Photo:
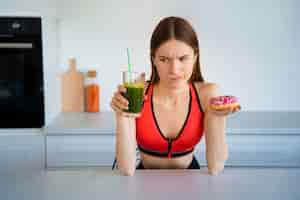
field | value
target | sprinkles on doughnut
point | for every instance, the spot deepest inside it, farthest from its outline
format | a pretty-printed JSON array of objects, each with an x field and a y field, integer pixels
[{"x": 224, "y": 102}]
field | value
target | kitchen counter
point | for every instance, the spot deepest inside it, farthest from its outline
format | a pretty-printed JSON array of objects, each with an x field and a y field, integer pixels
[
  {"x": 255, "y": 138},
  {"x": 244, "y": 122},
  {"x": 76, "y": 139},
  {"x": 101, "y": 123},
  {"x": 93, "y": 183}
]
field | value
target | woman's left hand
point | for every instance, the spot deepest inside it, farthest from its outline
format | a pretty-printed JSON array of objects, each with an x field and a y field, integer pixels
[{"x": 225, "y": 111}]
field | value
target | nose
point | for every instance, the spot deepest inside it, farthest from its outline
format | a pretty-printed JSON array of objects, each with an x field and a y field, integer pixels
[{"x": 174, "y": 67}]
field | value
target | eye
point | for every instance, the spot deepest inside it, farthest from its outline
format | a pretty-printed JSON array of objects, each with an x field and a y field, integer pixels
[
  {"x": 163, "y": 59},
  {"x": 183, "y": 58}
]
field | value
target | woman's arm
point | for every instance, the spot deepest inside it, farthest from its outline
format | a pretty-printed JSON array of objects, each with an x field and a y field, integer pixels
[
  {"x": 125, "y": 133},
  {"x": 126, "y": 144},
  {"x": 215, "y": 133}
]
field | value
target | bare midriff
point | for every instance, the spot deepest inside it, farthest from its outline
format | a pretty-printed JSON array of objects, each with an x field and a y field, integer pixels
[{"x": 155, "y": 162}]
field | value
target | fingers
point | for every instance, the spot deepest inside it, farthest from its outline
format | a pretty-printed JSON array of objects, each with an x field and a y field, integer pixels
[
  {"x": 119, "y": 103},
  {"x": 231, "y": 109},
  {"x": 121, "y": 89},
  {"x": 143, "y": 77},
  {"x": 120, "y": 100},
  {"x": 236, "y": 109},
  {"x": 116, "y": 109},
  {"x": 225, "y": 111},
  {"x": 120, "y": 112},
  {"x": 220, "y": 112}
]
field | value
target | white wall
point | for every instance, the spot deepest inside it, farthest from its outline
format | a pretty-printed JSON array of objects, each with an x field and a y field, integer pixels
[
  {"x": 248, "y": 47},
  {"x": 47, "y": 10}
]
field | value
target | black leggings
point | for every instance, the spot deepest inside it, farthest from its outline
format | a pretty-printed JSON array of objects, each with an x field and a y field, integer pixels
[{"x": 193, "y": 165}]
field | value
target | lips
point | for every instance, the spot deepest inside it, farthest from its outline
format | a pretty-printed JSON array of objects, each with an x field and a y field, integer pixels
[{"x": 175, "y": 78}]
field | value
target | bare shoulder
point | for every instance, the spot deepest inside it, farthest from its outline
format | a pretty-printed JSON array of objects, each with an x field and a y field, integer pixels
[{"x": 206, "y": 90}]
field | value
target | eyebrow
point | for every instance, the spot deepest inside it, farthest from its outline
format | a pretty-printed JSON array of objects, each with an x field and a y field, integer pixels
[{"x": 185, "y": 55}]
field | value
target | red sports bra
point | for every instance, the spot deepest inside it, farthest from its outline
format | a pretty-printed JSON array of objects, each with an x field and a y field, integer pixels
[{"x": 150, "y": 139}]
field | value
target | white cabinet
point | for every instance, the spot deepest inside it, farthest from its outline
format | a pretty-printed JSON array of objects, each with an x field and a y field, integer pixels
[
  {"x": 259, "y": 150},
  {"x": 21, "y": 150},
  {"x": 80, "y": 150},
  {"x": 258, "y": 139},
  {"x": 81, "y": 140}
]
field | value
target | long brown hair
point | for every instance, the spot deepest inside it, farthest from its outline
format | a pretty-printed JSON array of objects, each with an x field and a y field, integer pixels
[{"x": 179, "y": 29}]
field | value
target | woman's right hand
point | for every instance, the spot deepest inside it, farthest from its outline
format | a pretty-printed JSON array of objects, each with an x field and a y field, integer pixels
[{"x": 119, "y": 103}]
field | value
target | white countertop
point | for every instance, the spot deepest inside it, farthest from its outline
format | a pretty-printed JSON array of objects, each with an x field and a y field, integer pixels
[
  {"x": 233, "y": 183},
  {"x": 248, "y": 122},
  {"x": 102, "y": 123}
]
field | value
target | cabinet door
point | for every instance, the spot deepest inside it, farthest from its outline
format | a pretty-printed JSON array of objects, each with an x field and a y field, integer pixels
[
  {"x": 259, "y": 150},
  {"x": 19, "y": 152},
  {"x": 80, "y": 151}
]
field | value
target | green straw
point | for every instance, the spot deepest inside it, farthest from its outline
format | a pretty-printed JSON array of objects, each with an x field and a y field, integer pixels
[{"x": 129, "y": 65}]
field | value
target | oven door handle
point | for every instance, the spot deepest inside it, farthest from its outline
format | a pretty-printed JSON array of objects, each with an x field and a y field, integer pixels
[
  {"x": 6, "y": 36},
  {"x": 15, "y": 45}
]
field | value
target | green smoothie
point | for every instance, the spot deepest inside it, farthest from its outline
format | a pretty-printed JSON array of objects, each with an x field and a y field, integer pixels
[{"x": 135, "y": 95}]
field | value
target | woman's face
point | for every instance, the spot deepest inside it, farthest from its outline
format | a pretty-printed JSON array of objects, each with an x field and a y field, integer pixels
[{"x": 174, "y": 61}]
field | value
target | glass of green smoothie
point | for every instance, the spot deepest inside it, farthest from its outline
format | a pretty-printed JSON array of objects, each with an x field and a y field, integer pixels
[{"x": 134, "y": 84}]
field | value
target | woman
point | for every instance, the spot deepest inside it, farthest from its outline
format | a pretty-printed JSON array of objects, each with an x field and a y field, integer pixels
[{"x": 176, "y": 111}]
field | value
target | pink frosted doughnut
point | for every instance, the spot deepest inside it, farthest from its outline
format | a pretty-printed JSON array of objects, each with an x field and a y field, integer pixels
[{"x": 224, "y": 102}]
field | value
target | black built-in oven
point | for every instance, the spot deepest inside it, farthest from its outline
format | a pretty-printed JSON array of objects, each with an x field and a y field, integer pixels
[{"x": 21, "y": 73}]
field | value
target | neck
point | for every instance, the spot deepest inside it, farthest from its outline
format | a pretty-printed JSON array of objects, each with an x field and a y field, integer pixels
[{"x": 171, "y": 94}]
